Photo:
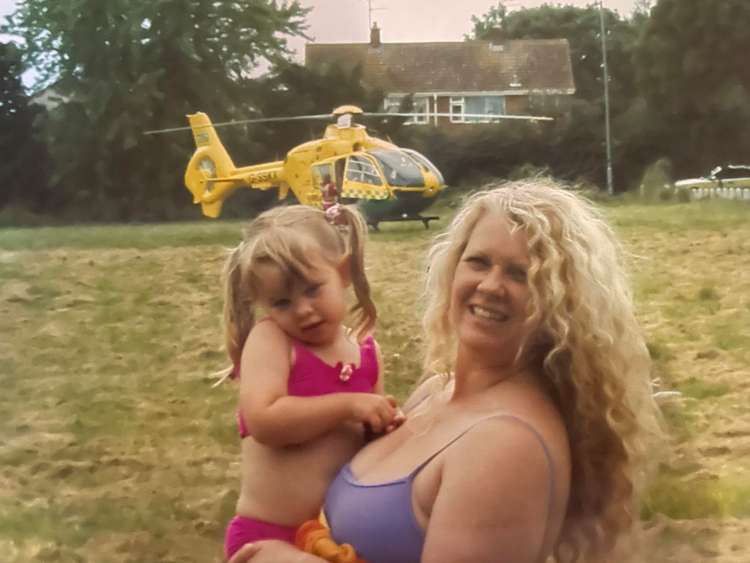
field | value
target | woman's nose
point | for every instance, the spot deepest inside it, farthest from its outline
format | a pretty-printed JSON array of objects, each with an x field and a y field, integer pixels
[{"x": 492, "y": 282}]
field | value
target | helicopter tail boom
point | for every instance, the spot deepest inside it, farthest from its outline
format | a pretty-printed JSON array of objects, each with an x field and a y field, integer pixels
[{"x": 210, "y": 173}]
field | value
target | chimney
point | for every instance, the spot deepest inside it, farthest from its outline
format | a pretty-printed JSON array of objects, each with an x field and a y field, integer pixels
[{"x": 375, "y": 35}]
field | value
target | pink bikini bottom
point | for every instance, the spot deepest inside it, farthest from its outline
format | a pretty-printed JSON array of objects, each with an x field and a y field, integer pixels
[{"x": 243, "y": 530}]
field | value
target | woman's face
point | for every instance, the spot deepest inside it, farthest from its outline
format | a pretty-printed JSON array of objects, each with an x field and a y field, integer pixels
[{"x": 490, "y": 294}]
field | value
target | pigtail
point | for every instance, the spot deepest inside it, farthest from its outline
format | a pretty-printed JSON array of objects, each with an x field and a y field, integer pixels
[
  {"x": 239, "y": 315},
  {"x": 363, "y": 310}
]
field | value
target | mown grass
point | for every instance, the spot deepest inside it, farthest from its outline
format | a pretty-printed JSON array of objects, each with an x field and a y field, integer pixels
[
  {"x": 680, "y": 495},
  {"x": 114, "y": 446},
  {"x": 143, "y": 237}
]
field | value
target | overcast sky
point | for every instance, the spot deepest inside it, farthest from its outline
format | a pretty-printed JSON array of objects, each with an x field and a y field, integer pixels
[{"x": 335, "y": 21}]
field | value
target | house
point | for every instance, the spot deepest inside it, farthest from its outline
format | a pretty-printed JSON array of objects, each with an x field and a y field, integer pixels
[{"x": 494, "y": 77}]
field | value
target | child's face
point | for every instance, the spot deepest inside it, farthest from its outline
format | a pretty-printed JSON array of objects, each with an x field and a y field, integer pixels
[
  {"x": 310, "y": 310},
  {"x": 490, "y": 292}
]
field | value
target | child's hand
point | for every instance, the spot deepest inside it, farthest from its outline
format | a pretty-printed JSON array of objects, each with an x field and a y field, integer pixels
[
  {"x": 376, "y": 412},
  {"x": 398, "y": 420}
]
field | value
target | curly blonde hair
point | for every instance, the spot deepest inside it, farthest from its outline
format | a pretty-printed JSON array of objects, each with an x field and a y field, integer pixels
[
  {"x": 589, "y": 350},
  {"x": 290, "y": 237}
]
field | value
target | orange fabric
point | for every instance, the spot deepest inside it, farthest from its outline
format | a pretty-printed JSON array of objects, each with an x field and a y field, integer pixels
[{"x": 313, "y": 537}]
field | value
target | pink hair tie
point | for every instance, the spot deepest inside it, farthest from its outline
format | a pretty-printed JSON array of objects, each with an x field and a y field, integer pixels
[{"x": 333, "y": 213}]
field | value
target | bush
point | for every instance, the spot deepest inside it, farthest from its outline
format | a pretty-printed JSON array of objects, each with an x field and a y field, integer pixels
[
  {"x": 657, "y": 181},
  {"x": 683, "y": 196},
  {"x": 19, "y": 216}
]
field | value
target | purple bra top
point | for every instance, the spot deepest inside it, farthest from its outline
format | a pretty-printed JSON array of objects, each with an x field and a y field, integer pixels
[
  {"x": 310, "y": 376},
  {"x": 378, "y": 519}
]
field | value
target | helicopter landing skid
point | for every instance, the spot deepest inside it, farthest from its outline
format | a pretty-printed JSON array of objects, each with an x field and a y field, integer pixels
[{"x": 373, "y": 223}]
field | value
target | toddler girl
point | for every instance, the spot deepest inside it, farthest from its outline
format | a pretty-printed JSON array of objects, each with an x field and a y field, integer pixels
[{"x": 309, "y": 387}]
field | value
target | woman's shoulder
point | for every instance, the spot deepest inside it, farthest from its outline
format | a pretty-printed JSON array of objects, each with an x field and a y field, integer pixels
[
  {"x": 514, "y": 451},
  {"x": 534, "y": 414},
  {"x": 508, "y": 430},
  {"x": 429, "y": 387},
  {"x": 527, "y": 437},
  {"x": 500, "y": 473}
]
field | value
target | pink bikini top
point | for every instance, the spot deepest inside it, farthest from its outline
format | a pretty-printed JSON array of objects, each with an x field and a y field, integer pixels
[{"x": 310, "y": 376}]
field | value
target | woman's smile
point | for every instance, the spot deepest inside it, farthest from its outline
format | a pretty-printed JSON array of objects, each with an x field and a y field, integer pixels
[{"x": 489, "y": 313}]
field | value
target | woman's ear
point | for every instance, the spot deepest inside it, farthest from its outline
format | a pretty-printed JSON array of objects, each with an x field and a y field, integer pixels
[{"x": 345, "y": 270}]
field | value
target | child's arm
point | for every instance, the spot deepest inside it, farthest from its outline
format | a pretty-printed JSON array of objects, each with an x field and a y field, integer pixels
[{"x": 276, "y": 419}]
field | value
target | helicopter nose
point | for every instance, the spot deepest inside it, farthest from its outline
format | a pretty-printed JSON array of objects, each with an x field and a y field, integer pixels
[{"x": 431, "y": 185}]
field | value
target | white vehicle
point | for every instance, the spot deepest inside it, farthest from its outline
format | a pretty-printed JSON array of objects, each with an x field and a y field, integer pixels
[{"x": 726, "y": 182}]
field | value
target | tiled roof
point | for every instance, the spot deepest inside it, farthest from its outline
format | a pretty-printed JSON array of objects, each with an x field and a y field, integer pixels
[{"x": 528, "y": 64}]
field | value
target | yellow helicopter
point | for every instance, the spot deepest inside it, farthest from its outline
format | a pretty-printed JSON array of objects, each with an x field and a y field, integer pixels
[{"x": 389, "y": 182}]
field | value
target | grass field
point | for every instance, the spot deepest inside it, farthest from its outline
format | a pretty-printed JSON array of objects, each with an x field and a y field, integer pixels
[{"x": 115, "y": 448}]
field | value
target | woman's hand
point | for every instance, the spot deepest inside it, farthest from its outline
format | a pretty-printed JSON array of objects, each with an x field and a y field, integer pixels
[{"x": 272, "y": 551}]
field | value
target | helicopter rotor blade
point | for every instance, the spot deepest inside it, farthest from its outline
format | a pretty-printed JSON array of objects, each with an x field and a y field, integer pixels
[
  {"x": 490, "y": 117},
  {"x": 241, "y": 122}
]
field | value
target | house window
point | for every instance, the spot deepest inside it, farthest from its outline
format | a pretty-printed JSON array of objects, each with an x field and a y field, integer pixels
[
  {"x": 420, "y": 106},
  {"x": 475, "y": 106},
  {"x": 457, "y": 109},
  {"x": 422, "y": 109},
  {"x": 393, "y": 104}
]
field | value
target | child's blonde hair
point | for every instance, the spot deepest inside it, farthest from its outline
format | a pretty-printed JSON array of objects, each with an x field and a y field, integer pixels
[
  {"x": 589, "y": 349},
  {"x": 290, "y": 238}
]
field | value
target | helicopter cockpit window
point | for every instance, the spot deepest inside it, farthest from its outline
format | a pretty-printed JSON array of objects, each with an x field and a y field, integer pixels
[
  {"x": 360, "y": 169},
  {"x": 399, "y": 168},
  {"x": 425, "y": 162}
]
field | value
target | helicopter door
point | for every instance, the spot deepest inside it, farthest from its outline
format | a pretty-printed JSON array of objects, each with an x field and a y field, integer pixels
[
  {"x": 363, "y": 179},
  {"x": 321, "y": 175}
]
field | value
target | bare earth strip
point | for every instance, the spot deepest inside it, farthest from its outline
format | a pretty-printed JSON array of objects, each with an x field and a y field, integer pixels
[{"x": 114, "y": 447}]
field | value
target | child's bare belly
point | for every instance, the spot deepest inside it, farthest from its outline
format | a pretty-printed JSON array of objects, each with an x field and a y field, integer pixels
[{"x": 287, "y": 485}]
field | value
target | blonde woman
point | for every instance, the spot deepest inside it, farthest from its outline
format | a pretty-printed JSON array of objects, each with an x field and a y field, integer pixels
[{"x": 533, "y": 446}]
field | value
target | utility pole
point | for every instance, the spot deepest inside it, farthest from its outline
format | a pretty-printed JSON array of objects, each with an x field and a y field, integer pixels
[
  {"x": 605, "y": 77},
  {"x": 370, "y": 10}
]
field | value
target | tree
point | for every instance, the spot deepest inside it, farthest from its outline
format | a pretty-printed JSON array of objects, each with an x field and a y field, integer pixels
[
  {"x": 581, "y": 27},
  {"x": 22, "y": 169},
  {"x": 489, "y": 23},
  {"x": 127, "y": 66},
  {"x": 691, "y": 68},
  {"x": 582, "y": 136}
]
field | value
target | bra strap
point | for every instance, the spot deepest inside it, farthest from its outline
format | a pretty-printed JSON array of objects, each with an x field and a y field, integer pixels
[{"x": 537, "y": 435}]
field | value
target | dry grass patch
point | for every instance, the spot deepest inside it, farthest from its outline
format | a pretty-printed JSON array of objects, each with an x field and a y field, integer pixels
[{"x": 115, "y": 448}]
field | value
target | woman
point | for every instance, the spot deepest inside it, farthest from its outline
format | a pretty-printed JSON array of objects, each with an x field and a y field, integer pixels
[{"x": 533, "y": 445}]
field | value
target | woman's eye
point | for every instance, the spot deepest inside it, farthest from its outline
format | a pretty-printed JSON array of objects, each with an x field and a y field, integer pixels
[
  {"x": 476, "y": 261},
  {"x": 517, "y": 273}
]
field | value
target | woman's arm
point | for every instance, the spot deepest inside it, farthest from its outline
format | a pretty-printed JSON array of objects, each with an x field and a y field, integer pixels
[
  {"x": 276, "y": 419},
  {"x": 492, "y": 504}
]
